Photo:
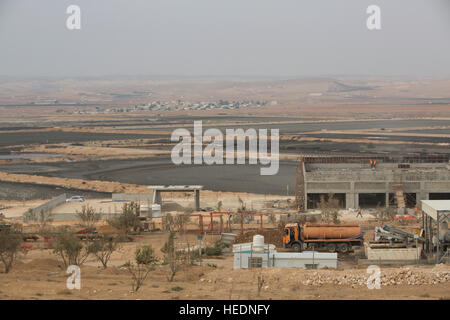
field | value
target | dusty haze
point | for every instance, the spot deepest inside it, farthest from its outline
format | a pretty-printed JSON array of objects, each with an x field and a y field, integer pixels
[{"x": 210, "y": 38}]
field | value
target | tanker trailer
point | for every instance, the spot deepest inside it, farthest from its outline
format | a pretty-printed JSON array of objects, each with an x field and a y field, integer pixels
[{"x": 331, "y": 237}]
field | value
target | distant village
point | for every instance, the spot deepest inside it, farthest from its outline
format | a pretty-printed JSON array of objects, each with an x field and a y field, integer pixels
[{"x": 180, "y": 105}]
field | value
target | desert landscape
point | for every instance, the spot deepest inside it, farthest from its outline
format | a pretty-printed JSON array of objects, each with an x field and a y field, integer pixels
[
  {"x": 226, "y": 156},
  {"x": 99, "y": 137}
]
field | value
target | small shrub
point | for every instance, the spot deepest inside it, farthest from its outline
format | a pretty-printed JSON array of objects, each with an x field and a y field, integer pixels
[
  {"x": 213, "y": 251},
  {"x": 64, "y": 292},
  {"x": 260, "y": 283},
  {"x": 128, "y": 220},
  {"x": 177, "y": 288},
  {"x": 88, "y": 216},
  {"x": 175, "y": 260},
  {"x": 103, "y": 249},
  {"x": 145, "y": 261}
]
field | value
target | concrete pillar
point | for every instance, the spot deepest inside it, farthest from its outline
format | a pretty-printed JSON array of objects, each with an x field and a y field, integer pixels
[
  {"x": 438, "y": 249},
  {"x": 197, "y": 200},
  {"x": 421, "y": 196},
  {"x": 350, "y": 200},
  {"x": 427, "y": 249},
  {"x": 387, "y": 199},
  {"x": 350, "y": 197},
  {"x": 423, "y": 228},
  {"x": 430, "y": 234},
  {"x": 157, "y": 196}
]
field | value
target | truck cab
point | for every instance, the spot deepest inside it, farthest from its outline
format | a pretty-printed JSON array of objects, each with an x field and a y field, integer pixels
[{"x": 291, "y": 237}]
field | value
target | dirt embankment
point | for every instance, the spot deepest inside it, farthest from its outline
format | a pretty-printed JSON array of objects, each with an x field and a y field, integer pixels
[
  {"x": 91, "y": 185},
  {"x": 270, "y": 236}
]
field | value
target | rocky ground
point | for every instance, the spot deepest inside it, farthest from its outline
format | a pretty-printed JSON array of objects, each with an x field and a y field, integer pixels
[{"x": 39, "y": 275}]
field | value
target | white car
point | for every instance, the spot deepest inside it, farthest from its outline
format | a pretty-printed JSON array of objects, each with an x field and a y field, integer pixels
[{"x": 75, "y": 199}]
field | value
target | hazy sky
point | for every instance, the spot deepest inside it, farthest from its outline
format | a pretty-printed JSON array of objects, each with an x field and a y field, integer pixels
[{"x": 224, "y": 37}]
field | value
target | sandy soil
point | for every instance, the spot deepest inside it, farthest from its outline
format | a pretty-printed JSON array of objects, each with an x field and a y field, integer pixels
[{"x": 40, "y": 276}]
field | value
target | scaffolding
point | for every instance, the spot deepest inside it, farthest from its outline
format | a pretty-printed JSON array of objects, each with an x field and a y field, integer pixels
[
  {"x": 204, "y": 227},
  {"x": 207, "y": 223}
]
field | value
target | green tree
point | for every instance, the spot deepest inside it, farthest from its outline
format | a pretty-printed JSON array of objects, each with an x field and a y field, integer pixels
[
  {"x": 145, "y": 261},
  {"x": 88, "y": 216},
  {"x": 128, "y": 220},
  {"x": 9, "y": 249},
  {"x": 70, "y": 249},
  {"x": 174, "y": 259},
  {"x": 102, "y": 249}
]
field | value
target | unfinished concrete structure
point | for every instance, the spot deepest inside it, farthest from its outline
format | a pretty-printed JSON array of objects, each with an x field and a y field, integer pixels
[
  {"x": 372, "y": 181},
  {"x": 157, "y": 190},
  {"x": 136, "y": 197}
]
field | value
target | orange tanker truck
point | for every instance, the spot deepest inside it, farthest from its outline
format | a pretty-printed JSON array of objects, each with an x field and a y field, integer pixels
[{"x": 332, "y": 237}]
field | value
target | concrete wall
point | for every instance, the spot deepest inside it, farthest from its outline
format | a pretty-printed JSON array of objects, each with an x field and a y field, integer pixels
[
  {"x": 380, "y": 165},
  {"x": 324, "y": 186},
  {"x": 136, "y": 197},
  {"x": 287, "y": 259},
  {"x": 394, "y": 254},
  {"x": 73, "y": 216},
  {"x": 377, "y": 175},
  {"x": 45, "y": 207}
]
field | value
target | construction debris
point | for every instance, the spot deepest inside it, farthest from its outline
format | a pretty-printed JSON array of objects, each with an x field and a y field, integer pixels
[{"x": 403, "y": 276}]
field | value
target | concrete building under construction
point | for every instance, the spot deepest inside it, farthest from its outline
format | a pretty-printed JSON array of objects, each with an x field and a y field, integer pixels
[{"x": 372, "y": 181}]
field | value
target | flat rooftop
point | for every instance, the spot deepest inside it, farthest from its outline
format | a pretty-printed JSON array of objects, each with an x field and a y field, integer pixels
[{"x": 432, "y": 207}]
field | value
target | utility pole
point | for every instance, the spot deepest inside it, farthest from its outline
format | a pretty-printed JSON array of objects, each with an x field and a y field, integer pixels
[{"x": 199, "y": 237}]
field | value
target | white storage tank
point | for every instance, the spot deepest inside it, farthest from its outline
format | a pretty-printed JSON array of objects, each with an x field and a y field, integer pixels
[{"x": 258, "y": 243}]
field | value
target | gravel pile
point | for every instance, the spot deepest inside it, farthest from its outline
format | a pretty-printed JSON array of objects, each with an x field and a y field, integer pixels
[{"x": 403, "y": 276}]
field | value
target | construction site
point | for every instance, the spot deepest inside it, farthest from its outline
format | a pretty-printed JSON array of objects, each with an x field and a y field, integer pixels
[
  {"x": 348, "y": 213},
  {"x": 359, "y": 187}
]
